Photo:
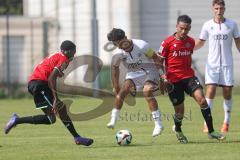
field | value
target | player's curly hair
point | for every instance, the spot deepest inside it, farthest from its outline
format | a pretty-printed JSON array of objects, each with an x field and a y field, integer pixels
[
  {"x": 185, "y": 19},
  {"x": 67, "y": 45},
  {"x": 219, "y": 2},
  {"x": 116, "y": 34}
]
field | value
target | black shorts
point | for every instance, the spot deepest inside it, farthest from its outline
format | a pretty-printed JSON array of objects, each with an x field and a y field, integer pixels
[
  {"x": 188, "y": 85},
  {"x": 41, "y": 92}
]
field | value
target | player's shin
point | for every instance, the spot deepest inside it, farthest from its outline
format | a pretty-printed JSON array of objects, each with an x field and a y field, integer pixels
[
  {"x": 227, "y": 106},
  {"x": 114, "y": 117},
  {"x": 156, "y": 115},
  {"x": 210, "y": 102},
  {"x": 37, "y": 119},
  {"x": 206, "y": 112},
  {"x": 178, "y": 122},
  {"x": 70, "y": 127}
]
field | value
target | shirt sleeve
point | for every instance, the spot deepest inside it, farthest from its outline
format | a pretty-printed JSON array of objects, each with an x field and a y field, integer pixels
[
  {"x": 116, "y": 59},
  {"x": 204, "y": 32},
  {"x": 236, "y": 31},
  {"x": 60, "y": 62},
  {"x": 62, "y": 67},
  {"x": 149, "y": 52},
  {"x": 163, "y": 50},
  {"x": 146, "y": 50}
]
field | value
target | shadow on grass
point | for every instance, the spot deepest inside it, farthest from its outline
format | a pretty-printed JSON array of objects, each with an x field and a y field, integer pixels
[
  {"x": 137, "y": 145},
  {"x": 127, "y": 146},
  {"x": 214, "y": 141}
]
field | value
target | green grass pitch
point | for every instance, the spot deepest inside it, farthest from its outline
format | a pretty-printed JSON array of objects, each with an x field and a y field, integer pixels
[{"x": 40, "y": 142}]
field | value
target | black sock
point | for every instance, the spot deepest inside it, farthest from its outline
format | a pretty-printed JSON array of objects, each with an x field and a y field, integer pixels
[
  {"x": 70, "y": 127},
  {"x": 66, "y": 120},
  {"x": 206, "y": 112},
  {"x": 38, "y": 119},
  {"x": 178, "y": 123}
]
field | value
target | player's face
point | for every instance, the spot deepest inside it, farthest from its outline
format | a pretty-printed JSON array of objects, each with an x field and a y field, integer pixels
[
  {"x": 218, "y": 10},
  {"x": 124, "y": 44},
  {"x": 182, "y": 29},
  {"x": 71, "y": 54}
]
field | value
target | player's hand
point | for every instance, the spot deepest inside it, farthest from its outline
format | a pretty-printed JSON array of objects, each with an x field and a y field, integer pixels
[
  {"x": 163, "y": 85},
  {"x": 166, "y": 86},
  {"x": 57, "y": 105}
]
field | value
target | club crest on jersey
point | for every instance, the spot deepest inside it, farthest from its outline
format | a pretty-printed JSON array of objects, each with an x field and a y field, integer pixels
[{"x": 187, "y": 45}]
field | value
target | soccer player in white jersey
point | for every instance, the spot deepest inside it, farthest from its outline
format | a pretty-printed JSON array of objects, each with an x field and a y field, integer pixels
[
  {"x": 142, "y": 65},
  {"x": 220, "y": 32}
]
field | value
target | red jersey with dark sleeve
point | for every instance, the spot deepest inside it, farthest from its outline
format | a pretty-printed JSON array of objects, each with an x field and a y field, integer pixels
[
  {"x": 43, "y": 70},
  {"x": 178, "y": 58}
]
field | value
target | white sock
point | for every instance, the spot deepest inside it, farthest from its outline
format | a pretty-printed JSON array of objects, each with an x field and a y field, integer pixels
[
  {"x": 157, "y": 118},
  {"x": 210, "y": 103},
  {"x": 227, "y": 106},
  {"x": 115, "y": 115}
]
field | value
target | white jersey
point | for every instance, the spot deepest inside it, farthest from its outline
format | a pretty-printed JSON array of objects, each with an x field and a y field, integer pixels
[
  {"x": 220, "y": 41},
  {"x": 137, "y": 66},
  {"x": 137, "y": 59}
]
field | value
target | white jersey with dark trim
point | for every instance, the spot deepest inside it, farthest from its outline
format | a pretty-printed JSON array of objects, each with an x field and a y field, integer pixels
[
  {"x": 220, "y": 41},
  {"x": 137, "y": 59}
]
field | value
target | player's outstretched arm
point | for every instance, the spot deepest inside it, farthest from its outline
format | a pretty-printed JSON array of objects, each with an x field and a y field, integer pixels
[
  {"x": 198, "y": 44},
  {"x": 115, "y": 71},
  {"x": 52, "y": 80},
  {"x": 115, "y": 78},
  {"x": 237, "y": 42}
]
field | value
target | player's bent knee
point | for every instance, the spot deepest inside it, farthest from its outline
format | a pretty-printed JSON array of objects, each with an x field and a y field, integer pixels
[
  {"x": 203, "y": 103},
  {"x": 119, "y": 97},
  {"x": 122, "y": 94},
  {"x": 147, "y": 91},
  {"x": 52, "y": 119}
]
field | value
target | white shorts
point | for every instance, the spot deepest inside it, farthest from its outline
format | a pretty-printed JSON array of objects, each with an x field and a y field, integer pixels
[
  {"x": 222, "y": 76},
  {"x": 140, "y": 77}
]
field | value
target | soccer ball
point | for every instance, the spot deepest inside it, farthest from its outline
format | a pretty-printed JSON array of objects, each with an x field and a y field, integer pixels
[{"x": 124, "y": 137}]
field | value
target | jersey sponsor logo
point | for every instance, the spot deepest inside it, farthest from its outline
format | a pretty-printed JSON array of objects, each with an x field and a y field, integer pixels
[
  {"x": 181, "y": 53},
  {"x": 134, "y": 65},
  {"x": 220, "y": 37}
]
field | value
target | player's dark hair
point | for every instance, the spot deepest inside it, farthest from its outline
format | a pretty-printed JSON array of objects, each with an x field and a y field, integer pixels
[
  {"x": 185, "y": 19},
  {"x": 116, "y": 34},
  {"x": 219, "y": 2},
  {"x": 67, "y": 45}
]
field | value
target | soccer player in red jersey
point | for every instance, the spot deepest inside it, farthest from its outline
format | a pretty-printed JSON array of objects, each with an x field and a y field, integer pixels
[
  {"x": 42, "y": 86},
  {"x": 176, "y": 52}
]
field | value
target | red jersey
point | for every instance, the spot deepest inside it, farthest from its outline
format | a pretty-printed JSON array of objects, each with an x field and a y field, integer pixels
[
  {"x": 178, "y": 58},
  {"x": 43, "y": 70}
]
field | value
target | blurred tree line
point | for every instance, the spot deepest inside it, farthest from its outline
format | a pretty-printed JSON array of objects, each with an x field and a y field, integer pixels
[{"x": 12, "y": 7}]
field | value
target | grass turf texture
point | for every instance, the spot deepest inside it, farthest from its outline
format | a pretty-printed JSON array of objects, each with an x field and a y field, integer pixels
[{"x": 42, "y": 142}]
